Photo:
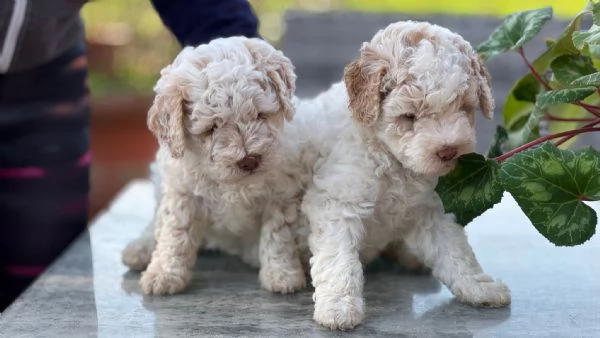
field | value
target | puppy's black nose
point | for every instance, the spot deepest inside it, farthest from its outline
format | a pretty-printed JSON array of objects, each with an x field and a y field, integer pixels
[
  {"x": 447, "y": 153},
  {"x": 249, "y": 162}
]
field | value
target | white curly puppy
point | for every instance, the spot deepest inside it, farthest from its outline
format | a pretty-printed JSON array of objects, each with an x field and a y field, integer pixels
[
  {"x": 218, "y": 114},
  {"x": 404, "y": 115}
]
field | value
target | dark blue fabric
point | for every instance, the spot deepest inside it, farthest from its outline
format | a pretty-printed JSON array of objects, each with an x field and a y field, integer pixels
[
  {"x": 44, "y": 166},
  {"x": 195, "y": 22}
]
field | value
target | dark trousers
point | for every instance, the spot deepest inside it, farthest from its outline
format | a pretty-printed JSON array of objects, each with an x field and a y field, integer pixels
[{"x": 44, "y": 167}]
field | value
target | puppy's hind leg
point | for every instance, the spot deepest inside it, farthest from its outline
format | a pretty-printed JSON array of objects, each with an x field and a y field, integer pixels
[
  {"x": 280, "y": 267},
  {"x": 137, "y": 253}
]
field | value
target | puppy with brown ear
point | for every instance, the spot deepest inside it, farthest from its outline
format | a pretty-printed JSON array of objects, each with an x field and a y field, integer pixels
[
  {"x": 218, "y": 114},
  {"x": 381, "y": 139}
]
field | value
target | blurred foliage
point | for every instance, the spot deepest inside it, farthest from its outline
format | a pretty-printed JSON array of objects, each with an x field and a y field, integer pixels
[{"x": 132, "y": 31}]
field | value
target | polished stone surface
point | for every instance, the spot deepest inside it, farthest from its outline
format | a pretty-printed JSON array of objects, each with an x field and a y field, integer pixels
[{"x": 89, "y": 293}]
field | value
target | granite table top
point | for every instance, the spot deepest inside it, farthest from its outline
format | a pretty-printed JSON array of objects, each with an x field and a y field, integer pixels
[{"x": 89, "y": 293}]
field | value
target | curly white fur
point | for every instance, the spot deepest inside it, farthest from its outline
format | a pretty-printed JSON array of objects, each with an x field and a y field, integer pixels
[
  {"x": 216, "y": 106},
  {"x": 382, "y": 138}
]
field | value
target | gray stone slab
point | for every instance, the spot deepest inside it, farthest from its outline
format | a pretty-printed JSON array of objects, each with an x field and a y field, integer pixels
[
  {"x": 89, "y": 293},
  {"x": 321, "y": 44}
]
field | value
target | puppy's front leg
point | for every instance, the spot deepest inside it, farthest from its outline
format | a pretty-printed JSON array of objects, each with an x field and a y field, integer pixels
[
  {"x": 280, "y": 266},
  {"x": 442, "y": 245},
  {"x": 178, "y": 234},
  {"x": 337, "y": 233}
]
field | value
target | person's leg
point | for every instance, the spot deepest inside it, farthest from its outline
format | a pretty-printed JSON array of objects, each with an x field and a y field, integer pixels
[{"x": 44, "y": 167}]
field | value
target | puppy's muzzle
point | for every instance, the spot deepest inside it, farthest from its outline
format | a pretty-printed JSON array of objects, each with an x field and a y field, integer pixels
[
  {"x": 249, "y": 163},
  {"x": 447, "y": 153}
]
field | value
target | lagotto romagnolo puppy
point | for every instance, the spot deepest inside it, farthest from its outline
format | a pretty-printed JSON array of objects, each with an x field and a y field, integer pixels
[
  {"x": 380, "y": 140},
  {"x": 218, "y": 114}
]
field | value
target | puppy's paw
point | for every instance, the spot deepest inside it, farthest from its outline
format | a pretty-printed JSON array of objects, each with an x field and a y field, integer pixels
[
  {"x": 343, "y": 313},
  {"x": 156, "y": 281},
  {"x": 138, "y": 253},
  {"x": 481, "y": 290},
  {"x": 282, "y": 280}
]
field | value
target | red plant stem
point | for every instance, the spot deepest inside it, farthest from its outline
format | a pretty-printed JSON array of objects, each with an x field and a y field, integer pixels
[
  {"x": 590, "y": 106},
  {"x": 551, "y": 117},
  {"x": 566, "y": 138},
  {"x": 534, "y": 72},
  {"x": 594, "y": 110},
  {"x": 544, "y": 139}
]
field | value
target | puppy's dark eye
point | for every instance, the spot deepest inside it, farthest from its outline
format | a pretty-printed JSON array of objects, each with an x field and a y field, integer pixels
[
  {"x": 262, "y": 116},
  {"x": 210, "y": 130}
]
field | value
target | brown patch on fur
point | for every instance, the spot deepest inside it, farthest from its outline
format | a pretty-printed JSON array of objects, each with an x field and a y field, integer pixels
[
  {"x": 486, "y": 99},
  {"x": 413, "y": 38},
  {"x": 284, "y": 93},
  {"x": 165, "y": 120},
  {"x": 363, "y": 81},
  {"x": 199, "y": 63}
]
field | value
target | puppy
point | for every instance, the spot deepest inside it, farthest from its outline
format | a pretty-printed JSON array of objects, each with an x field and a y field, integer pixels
[
  {"x": 218, "y": 114},
  {"x": 379, "y": 141}
]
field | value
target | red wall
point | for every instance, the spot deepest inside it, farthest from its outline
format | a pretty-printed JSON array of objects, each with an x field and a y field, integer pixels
[{"x": 122, "y": 147}]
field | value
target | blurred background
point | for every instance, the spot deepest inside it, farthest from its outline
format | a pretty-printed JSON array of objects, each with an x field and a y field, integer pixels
[{"x": 128, "y": 45}]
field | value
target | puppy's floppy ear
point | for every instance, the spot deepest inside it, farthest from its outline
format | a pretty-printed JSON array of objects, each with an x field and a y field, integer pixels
[
  {"x": 166, "y": 116},
  {"x": 363, "y": 83},
  {"x": 484, "y": 81},
  {"x": 279, "y": 70},
  {"x": 283, "y": 80}
]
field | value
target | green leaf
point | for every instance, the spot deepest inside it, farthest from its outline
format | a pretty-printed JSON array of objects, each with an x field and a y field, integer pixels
[
  {"x": 520, "y": 101},
  {"x": 515, "y": 108},
  {"x": 567, "y": 68},
  {"x": 549, "y": 185},
  {"x": 589, "y": 38},
  {"x": 563, "y": 96},
  {"x": 530, "y": 130},
  {"x": 471, "y": 188},
  {"x": 527, "y": 133},
  {"x": 594, "y": 51},
  {"x": 549, "y": 42},
  {"x": 527, "y": 89},
  {"x": 497, "y": 146},
  {"x": 591, "y": 80},
  {"x": 516, "y": 30},
  {"x": 564, "y": 44},
  {"x": 595, "y": 9}
]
